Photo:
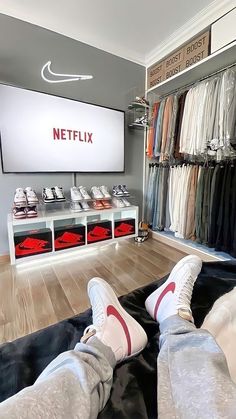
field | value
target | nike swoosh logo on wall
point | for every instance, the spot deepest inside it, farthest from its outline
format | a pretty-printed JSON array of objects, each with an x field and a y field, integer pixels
[
  {"x": 61, "y": 77},
  {"x": 111, "y": 311},
  {"x": 170, "y": 288}
]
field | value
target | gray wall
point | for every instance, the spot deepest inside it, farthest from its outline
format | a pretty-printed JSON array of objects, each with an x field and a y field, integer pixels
[{"x": 24, "y": 48}]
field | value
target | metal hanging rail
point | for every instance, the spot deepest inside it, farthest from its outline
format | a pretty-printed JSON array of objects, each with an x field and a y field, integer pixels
[{"x": 185, "y": 87}]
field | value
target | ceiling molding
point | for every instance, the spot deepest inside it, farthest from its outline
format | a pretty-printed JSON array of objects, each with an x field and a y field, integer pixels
[{"x": 202, "y": 20}]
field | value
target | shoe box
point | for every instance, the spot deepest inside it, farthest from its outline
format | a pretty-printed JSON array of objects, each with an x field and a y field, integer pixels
[
  {"x": 69, "y": 236},
  {"x": 98, "y": 231},
  {"x": 124, "y": 227},
  {"x": 32, "y": 242}
]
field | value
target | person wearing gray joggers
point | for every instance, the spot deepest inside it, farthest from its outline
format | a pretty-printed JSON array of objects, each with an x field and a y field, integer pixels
[{"x": 193, "y": 378}]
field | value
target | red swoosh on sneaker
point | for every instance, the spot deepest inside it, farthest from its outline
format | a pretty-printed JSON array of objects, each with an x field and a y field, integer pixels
[
  {"x": 170, "y": 288},
  {"x": 112, "y": 311}
]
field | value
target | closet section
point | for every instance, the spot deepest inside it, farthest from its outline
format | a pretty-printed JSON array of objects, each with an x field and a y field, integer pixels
[{"x": 191, "y": 154}]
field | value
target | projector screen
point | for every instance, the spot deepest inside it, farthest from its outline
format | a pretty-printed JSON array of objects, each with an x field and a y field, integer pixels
[{"x": 45, "y": 133}]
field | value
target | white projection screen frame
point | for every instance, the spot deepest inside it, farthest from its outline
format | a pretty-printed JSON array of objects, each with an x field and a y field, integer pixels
[{"x": 42, "y": 133}]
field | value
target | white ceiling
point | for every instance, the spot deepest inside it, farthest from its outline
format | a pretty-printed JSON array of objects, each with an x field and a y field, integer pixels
[{"x": 132, "y": 29}]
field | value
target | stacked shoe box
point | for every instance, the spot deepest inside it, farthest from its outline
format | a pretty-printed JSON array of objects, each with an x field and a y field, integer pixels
[
  {"x": 99, "y": 231},
  {"x": 124, "y": 227},
  {"x": 32, "y": 242},
  {"x": 69, "y": 236}
]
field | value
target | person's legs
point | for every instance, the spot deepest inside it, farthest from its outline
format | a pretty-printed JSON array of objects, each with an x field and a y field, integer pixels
[
  {"x": 77, "y": 383},
  {"x": 193, "y": 377}
]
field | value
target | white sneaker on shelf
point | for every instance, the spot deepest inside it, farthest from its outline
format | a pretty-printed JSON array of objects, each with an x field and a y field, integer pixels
[
  {"x": 174, "y": 296},
  {"x": 112, "y": 325},
  {"x": 75, "y": 194},
  {"x": 126, "y": 202},
  {"x": 84, "y": 192},
  {"x": 124, "y": 189},
  {"x": 20, "y": 198},
  {"x": 19, "y": 212},
  {"x": 59, "y": 194},
  {"x": 105, "y": 191},
  {"x": 48, "y": 195},
  {"x": 31, "y": 196},
  {"x": 31, "y": 211},
  {"x": 76, "y": 207},
  {"x": 85, "y": 206},
  {"x": 96, "y": 193},
  {"x": 118, "y": 202}
]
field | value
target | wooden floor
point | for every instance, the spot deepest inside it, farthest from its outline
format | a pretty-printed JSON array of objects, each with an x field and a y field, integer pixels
[{"x": 37, "y": 296}]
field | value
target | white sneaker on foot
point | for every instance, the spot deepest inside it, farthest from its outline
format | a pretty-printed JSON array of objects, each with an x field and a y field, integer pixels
[
  {"x": 112, "y": 325},
  {"x": 174, "y": 296}
]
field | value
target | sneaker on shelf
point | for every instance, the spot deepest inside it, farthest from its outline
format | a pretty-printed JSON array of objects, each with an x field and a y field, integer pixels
[
  {"x": 106, "y": 204},
  {"x": 96, "y": 193},
  {"x": 20, "y": 198},
  {"x": 59, "y": 194},
  {"x": 84, "y": 192},
  {"x": 105, "y": 191},
  {"x": 76, "y": 207},
  {"x": 75, "y": 194},
  {"x": 116, "y": 191},
  {"x": 85, "y": 206},
  {"x": 126, "y": 202},
  {"x": 124, "y": 190},
  {"x": 19, "y": 212},
  {"x": 48, "y": 195},
  {"x": 31, "y": 196},
  {"x": 118, "y": 203},
  {"x": 141, "y": 101},
  {"x": 174, "y": 296},
  {"x": 142, "y": 121},
  {"x": 97, "y": 205},
  {"x": 112, "y": 325},
  {"x": 31, "y": 211}
]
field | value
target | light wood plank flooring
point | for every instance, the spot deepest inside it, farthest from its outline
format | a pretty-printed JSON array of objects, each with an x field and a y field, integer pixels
[{"x": 36, "y": 296}]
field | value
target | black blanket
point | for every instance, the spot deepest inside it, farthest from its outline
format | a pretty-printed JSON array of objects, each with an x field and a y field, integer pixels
[{"x": 134, "y": 389}]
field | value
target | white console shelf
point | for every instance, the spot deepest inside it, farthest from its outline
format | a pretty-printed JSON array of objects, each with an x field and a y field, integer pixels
[{"x": 64, "y": 217}]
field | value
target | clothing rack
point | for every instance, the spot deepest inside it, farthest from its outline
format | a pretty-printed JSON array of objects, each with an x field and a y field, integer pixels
[{"x": 185, "y": 87}]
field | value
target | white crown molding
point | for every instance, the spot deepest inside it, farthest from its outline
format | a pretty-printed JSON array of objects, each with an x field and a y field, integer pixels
[{"x": 202, "y": 20}]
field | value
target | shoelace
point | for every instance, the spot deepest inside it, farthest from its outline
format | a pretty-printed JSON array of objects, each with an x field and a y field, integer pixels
[
  {"x": 185, "y": 296},
  {"x": 31, "y": 193},
  {"x": 98, "y": 312}
]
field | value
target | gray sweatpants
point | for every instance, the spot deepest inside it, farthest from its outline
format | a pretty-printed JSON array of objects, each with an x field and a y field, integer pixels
[
  {"x": 193, "y": 380},
  {"x": 75, "y": 385},
  {"x": 193, "y": 376}
]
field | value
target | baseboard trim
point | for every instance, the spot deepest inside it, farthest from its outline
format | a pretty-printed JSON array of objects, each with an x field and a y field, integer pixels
[
  {"x": 5, "y": 258},
  {"x": 173, "y": 242}
]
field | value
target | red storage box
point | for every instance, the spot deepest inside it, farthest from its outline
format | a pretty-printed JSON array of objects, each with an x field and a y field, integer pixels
[
  {"x": 69, "y": 236},
  {"x": 98, "y": 231},
  {"x": 124, "y": 227},
  {"x": 32, "y": 242}
]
